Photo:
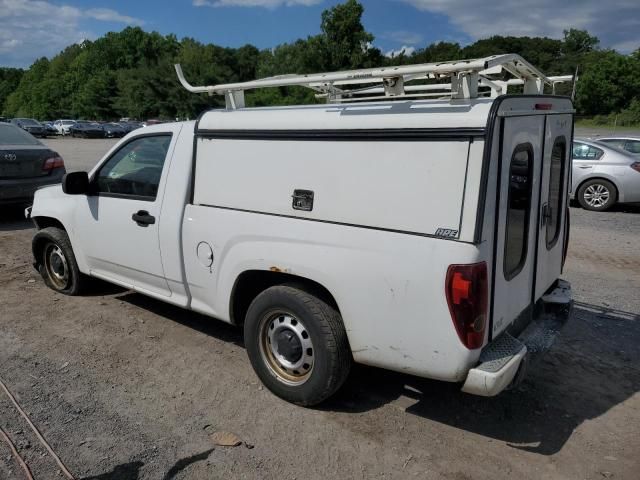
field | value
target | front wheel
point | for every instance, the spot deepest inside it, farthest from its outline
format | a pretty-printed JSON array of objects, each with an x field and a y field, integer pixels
[
  {"x": 297, "y": 344},
  {"x": 597, "y": 195},
  {"x": 56, "y": 262}
]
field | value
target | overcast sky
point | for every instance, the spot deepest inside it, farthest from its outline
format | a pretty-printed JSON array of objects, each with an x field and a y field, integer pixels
[{"x": 35, "y": 28}]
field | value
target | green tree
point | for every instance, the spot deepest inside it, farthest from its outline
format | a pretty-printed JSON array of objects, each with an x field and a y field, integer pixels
[{"x": 9, "y": 81}]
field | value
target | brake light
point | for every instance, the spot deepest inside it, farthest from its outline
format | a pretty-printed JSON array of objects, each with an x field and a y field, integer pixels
[
  {"x": 636, "y": 166},
  {"x": 467, "y": 295},
  {"x": 53, "y": 162},
  {"x": 544, "y": 106}
]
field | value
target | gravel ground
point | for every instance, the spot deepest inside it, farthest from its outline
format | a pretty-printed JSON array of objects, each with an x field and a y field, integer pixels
[{"x": 126, "y": 387}]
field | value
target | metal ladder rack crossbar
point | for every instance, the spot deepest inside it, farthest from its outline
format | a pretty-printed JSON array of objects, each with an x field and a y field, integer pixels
[{"x": 467, "y": 79}]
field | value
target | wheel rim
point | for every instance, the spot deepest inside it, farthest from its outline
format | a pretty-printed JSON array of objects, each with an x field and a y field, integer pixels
[
  {"x": 286, "y": 347},
  {"x": 56, "y": 266},
  {"x": 597, "y": 195}
]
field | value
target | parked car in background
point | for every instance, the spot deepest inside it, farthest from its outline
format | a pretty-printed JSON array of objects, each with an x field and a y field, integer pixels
[
  {"x": 4, "y": 120},
  {"x": 630, "y": 144},
  {"x": 131, "y": 126},
  {"x": 25, "y": 165},
  {"x": 152, "y": 121},
  {"x": 603, "y": 175},
  {"x": 63, "y": 126},
  {"x": 114, "y": 130},
  {"x": 30, "y": 125},
  {"x": 87, "y": 130},
  {"x": 48, "y": 125}
]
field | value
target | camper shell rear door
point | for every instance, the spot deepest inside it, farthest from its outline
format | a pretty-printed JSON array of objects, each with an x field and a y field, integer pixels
[{"x": 533, "y": 165}]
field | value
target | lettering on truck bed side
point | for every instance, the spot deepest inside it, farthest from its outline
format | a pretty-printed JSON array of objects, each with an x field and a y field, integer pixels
[{"x": 446, "y": 233}]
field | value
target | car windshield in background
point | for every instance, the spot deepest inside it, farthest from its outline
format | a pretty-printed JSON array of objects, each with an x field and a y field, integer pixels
[
  {"x": 27, "y": 121},
  {"x": 10, "y": 135}
]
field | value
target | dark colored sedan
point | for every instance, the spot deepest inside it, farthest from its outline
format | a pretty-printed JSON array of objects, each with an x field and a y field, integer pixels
[
  {"x": 131, "y": 126},
  {"x": 25, "y": 165},
  {"x": 113, "y": 130},
  {"x": 30, "y": 125},
  {"x": 48, "y": 126},
  {"x": 86, "y": 130}
]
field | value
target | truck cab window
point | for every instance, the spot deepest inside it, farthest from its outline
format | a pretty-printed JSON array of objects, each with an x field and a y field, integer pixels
[
  {"x": 518, "y": 210},
  {"x": 135, "y": 169},
  {"x": 556, "y": 180}
]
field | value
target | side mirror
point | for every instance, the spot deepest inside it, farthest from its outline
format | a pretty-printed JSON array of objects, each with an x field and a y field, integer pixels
[{"x": 75, "y": 183}]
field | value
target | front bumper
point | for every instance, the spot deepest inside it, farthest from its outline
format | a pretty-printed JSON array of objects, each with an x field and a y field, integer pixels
[{"x": 505, "y": 360}]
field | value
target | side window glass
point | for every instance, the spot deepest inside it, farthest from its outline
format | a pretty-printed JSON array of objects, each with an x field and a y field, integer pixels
[
  {"x": 556, "y": 180},
  {"x": 135, "y": 169},
  {"x": 633, "y": 146},
  {"x": 615, "y": 143},
  {"x": 518, "y": 210},
  {"x": 586, "y": 152}
]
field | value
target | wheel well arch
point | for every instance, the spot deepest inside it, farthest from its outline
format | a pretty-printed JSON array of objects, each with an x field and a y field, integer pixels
[
  {"x": 251, "y": 283},
  {"x": 36, "y": 243},
  {"x": 44, "y": 222}
]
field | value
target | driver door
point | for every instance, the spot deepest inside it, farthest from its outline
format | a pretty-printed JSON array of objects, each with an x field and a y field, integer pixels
[{"x": 118, "y": 222}]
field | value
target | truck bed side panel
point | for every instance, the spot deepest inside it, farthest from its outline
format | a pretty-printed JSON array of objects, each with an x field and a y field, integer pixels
[{"x": 410, "y": 186}]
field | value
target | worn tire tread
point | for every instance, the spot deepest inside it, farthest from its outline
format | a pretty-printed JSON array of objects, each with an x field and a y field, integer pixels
[{"x": 334, "y": 340}]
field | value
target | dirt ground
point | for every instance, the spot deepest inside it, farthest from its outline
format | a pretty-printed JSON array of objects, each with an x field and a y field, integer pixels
[{"x": 126, "y": 387}]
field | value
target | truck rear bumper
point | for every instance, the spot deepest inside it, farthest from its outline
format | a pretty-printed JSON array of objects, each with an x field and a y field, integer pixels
[{"x": 504, "y": 361}]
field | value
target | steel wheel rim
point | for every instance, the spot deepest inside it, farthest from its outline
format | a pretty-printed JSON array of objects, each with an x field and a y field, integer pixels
[
  {"x": 275, "y": 327},
  {"x": 56, "y": 266},
  {"x": 596, "y": 195}
]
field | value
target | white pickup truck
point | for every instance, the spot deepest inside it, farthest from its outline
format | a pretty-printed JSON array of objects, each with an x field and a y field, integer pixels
[{"x": 422, "y": 236}]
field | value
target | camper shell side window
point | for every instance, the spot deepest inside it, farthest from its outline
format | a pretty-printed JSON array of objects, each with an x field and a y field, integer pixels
[
  {"x": 518, "y": 210},
  {"x": 556, "y": 181}
]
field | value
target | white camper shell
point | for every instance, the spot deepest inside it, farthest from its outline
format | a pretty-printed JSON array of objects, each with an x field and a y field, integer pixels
[{"x": 425, "y": 236}]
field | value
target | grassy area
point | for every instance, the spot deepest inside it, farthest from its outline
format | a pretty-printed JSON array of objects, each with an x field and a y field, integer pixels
[{"x": 591, "y": 123}]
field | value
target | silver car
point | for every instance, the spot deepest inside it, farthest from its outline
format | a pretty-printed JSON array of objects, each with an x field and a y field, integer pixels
[
  {"x": 603, "y": 175},
  {"x": 630, "y": 144}
]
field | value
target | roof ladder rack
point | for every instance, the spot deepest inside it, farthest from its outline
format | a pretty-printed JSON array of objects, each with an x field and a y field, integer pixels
[{"x": 457, "y": 80}]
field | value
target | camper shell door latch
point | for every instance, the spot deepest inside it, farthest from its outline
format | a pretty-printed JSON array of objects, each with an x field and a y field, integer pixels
[{"x": 302, "y": 200}]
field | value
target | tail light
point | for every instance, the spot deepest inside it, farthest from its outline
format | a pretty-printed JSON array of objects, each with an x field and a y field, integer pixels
[
  {"x": 467, "y": 294},
  {"x": 635, "y": 166},
  {"x": 51, "y": 163}
]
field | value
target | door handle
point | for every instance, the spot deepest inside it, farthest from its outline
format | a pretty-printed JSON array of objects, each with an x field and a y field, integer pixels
[
  {"x": 545, "y": 217},
  {"x": 585, "y": 166},
  {"x": 142, "y": 217}
]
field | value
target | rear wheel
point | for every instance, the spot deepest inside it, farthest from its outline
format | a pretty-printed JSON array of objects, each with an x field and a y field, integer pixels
[
  {"x": 297, "y": 344},
  {"x": 56, "y": 261},
  {"x": 597, "y": 195}
]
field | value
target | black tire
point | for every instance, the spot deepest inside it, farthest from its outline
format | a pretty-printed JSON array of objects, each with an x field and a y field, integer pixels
[
  {"x": 56, "y": 262},
  {"x": 330, "y": 355},
  {"x": 597, "y": 195}
]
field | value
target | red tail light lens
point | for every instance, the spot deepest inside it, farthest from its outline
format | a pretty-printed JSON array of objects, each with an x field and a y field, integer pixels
[
  {"x": 636, "y": 166},
  {"x": 467, "y": 294},
  {"x": 51, "y": 163}
]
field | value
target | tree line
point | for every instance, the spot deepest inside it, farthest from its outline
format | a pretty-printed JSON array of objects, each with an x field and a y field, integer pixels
[{"x": 130, "y": 73}]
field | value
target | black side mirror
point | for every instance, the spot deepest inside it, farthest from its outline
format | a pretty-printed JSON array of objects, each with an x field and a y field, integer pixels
[{"x": 75, "y": 183}]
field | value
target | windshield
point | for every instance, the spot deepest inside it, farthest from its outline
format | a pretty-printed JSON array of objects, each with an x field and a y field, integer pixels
[
  {"x": 12, "y": 135},
  {"x": 27, "y": 121}
]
